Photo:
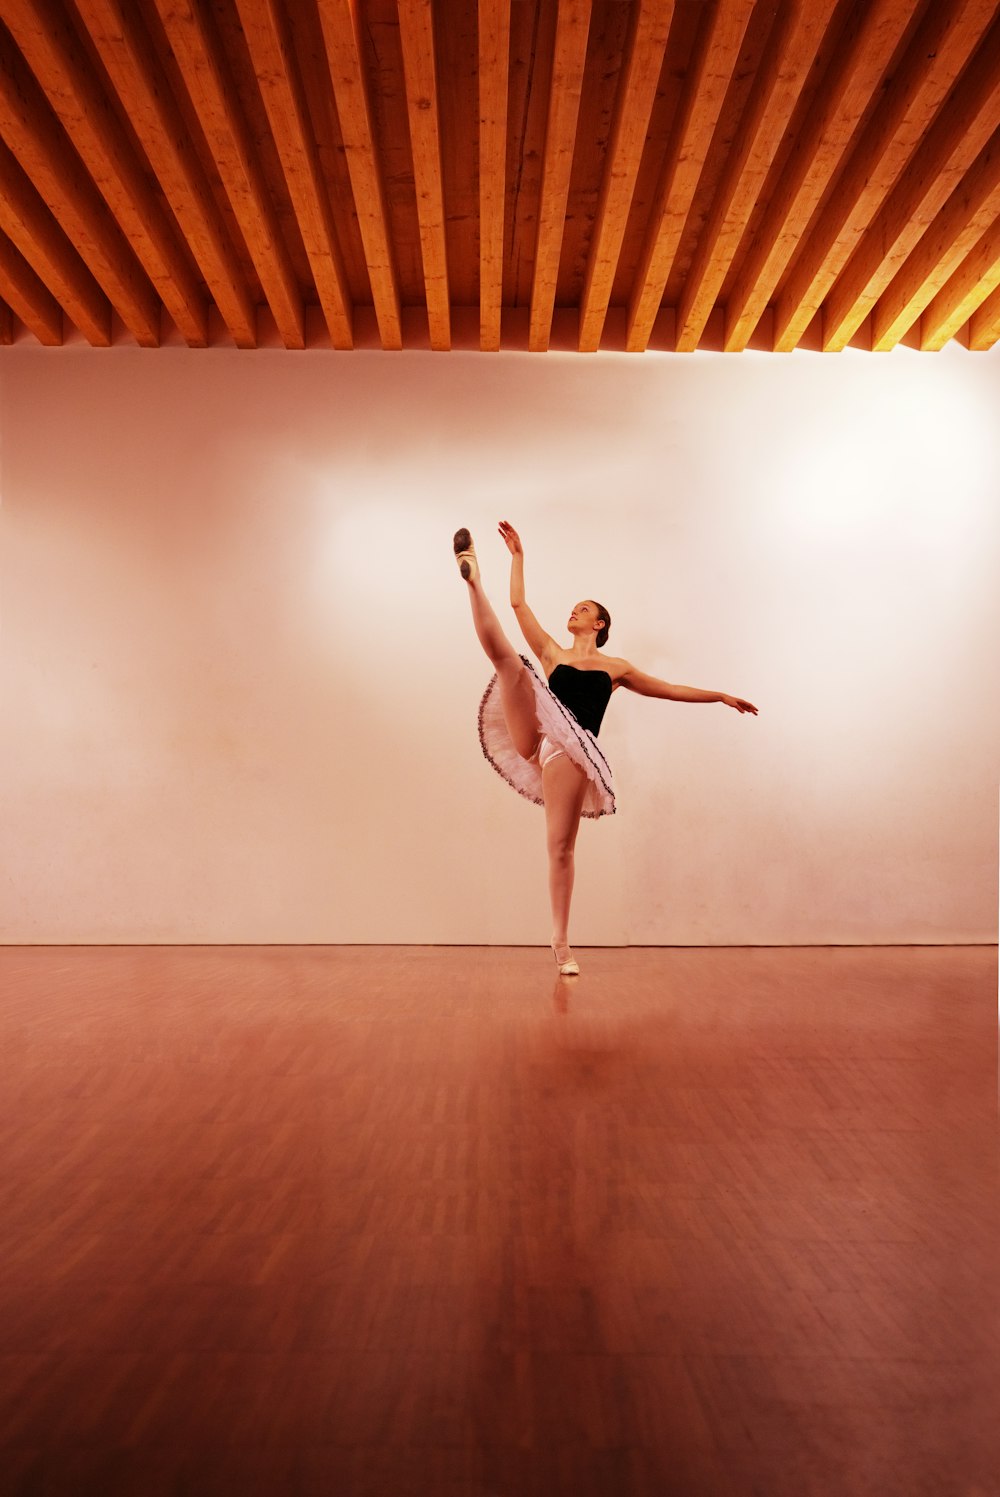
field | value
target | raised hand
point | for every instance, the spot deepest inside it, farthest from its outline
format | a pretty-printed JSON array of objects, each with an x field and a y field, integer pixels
[
  {"x": 740, "y": 704},
  {"x": 511, "y": 538}
]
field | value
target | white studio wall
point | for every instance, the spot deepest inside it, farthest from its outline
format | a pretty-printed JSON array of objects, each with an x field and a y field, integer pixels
[{"x": 241, "y": 682}]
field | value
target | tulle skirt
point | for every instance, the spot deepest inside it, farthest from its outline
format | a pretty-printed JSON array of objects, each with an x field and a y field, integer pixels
[{"x": 557, "y": 724}]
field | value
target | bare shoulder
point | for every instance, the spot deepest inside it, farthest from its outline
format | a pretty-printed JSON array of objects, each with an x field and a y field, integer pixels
[
  {"x": 629, "y": 675},
  {"x": 616, "y": 668}
]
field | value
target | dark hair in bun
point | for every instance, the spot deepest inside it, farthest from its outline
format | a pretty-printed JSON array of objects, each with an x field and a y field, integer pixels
[{"x": 602, "y": 613}]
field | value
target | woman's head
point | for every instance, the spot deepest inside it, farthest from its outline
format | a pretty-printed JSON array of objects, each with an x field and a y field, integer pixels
[{"x": 590, "y": 617}]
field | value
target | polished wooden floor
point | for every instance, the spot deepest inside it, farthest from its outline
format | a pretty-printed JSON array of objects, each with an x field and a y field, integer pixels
[{"x": 374, "y": 1222}]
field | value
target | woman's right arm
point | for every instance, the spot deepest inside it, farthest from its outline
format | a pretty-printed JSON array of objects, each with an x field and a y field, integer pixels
[{"x": 541, "y": 644}]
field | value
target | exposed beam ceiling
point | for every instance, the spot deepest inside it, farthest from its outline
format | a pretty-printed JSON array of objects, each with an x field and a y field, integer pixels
[{"x": 584, "y": 174}]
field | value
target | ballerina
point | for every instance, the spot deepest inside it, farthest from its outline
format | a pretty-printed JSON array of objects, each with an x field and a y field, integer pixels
[{"x": 541, "y": 735}]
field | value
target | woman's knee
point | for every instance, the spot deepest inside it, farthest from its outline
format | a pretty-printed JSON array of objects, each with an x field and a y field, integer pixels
[{"x": 561, "y": 851}]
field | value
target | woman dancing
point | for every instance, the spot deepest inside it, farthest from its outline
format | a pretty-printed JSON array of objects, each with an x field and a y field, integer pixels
[{"x": 542, "y": 738}]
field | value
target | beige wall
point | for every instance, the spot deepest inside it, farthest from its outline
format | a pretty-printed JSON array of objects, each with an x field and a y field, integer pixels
[{"x": 240, "y": 682}]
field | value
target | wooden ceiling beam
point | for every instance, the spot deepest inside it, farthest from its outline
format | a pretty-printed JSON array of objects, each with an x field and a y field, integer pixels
[
  {"x": 28, "y": 296},
  {"x": 345, "y": 55},
  {"x": 26, "y": 220},
  {"x": 873, "y": 32},
  {"x": 965, "y": 124},
  {"x": 968, "y": 213},
  {"x": 636, "y": 96},
  {"x": 494, "y": 81},
  {"x": 416, "y": 35},
  {"x": 984, "y": 326},
  {"x": 790, "y": 53},
  {"x": 284, "y": 100},
  {"x": 705, "y": 90},
  {"x": 966, "y": 290},
  {"x": 46, "y": 154},
  {"x": 138, "y": 78},
  {"x": 188, "y": 28},
  {"x": 945, "y": 39},
  {"x": 568, "y": 63},
  {"x": 54, "y": 56}
]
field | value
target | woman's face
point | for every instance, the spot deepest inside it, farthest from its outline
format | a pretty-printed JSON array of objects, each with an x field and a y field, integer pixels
[{"x": 583, "y": 619}]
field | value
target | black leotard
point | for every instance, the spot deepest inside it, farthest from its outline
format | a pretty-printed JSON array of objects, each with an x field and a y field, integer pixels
[{"x": 586, "y": 693}]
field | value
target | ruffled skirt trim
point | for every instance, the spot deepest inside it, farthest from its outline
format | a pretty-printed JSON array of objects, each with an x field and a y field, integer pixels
[{"x": 559, "y": 725}]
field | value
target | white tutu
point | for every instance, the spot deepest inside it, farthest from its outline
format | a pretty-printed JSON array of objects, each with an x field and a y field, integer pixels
[{"x": 559, "y": 725}]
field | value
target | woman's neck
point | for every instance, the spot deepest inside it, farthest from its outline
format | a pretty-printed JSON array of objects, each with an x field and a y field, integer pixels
[{"x": 581, "y": 651}]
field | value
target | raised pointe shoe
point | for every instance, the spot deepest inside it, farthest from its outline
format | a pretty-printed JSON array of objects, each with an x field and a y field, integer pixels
[
  {"x": 568, "y": 968},
  {"x": 465, "y": 555}
]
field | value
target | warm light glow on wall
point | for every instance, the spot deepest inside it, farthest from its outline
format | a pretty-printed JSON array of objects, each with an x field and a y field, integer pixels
[{"x": 910, "y": 460}]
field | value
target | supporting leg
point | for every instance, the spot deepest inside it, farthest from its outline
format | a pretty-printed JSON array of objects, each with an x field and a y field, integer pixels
[{"x": 564, "y": 787}]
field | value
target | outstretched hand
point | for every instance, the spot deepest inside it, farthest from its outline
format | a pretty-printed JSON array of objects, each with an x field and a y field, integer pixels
[
  {"x": 511, "y": 538},
  {"x": 740, "y": 704}
]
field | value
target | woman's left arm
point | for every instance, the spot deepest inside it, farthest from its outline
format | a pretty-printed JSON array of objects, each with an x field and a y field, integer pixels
[{"x": 651, "y": 686}]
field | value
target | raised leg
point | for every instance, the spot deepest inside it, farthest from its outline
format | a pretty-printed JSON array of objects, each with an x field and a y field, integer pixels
[
  {"x": 516, "y": 695},
  {"x": 564, "y": 787}
]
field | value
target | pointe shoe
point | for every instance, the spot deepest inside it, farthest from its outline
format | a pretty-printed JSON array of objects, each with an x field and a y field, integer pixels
[
  {"x": 569, "y": 968},
  {"x": 465, "y": 555}
]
